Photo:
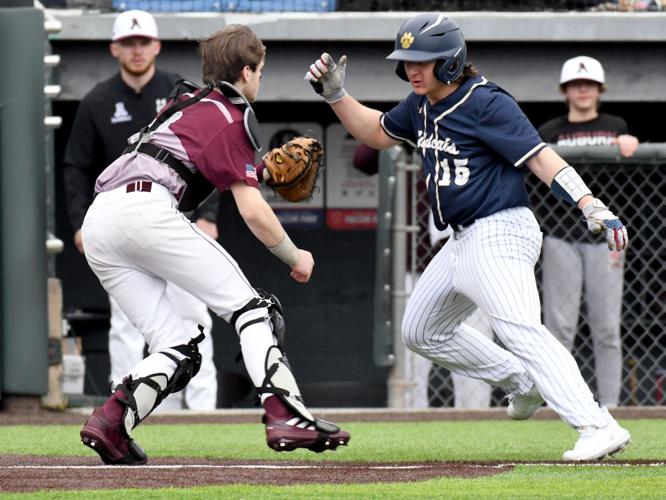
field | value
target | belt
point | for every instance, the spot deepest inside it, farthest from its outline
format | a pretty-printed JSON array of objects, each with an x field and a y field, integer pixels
[{"x": 144, "y": 186}]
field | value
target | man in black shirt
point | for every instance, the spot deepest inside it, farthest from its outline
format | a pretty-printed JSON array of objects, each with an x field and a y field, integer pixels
[
  {"x": 572, "y": 257},
  {"x": 107, "y": 116}
]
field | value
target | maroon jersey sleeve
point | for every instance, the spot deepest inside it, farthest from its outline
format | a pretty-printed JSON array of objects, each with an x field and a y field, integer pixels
[{"x": 228, "y": 158}]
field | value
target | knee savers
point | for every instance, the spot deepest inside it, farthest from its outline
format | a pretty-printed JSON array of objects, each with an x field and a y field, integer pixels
[
  {"x": 142, "y": 395},
  {"x": 187, "y": 366}
]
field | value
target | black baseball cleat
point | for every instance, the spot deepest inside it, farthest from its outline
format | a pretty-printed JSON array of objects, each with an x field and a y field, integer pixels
[
  {"x": 110, "y": 441},
  {"x": 318, "y": 436}
]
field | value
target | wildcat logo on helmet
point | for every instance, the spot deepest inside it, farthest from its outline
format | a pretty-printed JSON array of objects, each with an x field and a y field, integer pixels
[{"x": 407, "y": 40}]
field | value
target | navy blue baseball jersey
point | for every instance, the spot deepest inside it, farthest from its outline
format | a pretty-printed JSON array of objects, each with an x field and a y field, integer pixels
[{"x": 472, "y": 144}]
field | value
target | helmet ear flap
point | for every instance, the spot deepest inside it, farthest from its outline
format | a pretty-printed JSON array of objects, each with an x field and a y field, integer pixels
[
  {"x": 440, "y": 70},
  {"x": 447, "y": 70},
  {"x": 400, "y": 71}
]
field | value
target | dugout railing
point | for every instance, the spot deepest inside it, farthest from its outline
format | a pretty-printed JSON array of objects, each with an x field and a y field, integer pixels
[{"x": 636, "y": 190}]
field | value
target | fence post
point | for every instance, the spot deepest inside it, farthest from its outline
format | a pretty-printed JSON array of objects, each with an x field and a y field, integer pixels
[
  {"x": 398, "y": 383},
  {"x": 382, "y": 316}
]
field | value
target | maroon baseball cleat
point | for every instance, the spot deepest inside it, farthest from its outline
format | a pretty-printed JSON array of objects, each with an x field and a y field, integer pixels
[
  {"x": 108, "y": 438},
  {"x": 286, "y": 431}
]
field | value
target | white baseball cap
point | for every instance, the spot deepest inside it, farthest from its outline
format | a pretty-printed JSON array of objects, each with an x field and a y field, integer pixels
[
  {"x": 582, "y": 68},
  {"x": 134, "y": 23}
]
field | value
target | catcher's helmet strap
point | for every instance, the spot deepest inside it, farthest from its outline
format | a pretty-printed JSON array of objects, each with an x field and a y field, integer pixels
[{"x": 252, "y": 128}]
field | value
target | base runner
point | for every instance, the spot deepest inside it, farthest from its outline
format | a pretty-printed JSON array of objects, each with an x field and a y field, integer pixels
[{"x": 474, "y": 142}]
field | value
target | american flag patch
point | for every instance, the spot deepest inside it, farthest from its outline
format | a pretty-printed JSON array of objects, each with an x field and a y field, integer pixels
[{"x": 250, "y": 171}]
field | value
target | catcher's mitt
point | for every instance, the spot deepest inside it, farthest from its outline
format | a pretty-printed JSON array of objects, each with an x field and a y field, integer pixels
[{"x": 293, "y": 168}]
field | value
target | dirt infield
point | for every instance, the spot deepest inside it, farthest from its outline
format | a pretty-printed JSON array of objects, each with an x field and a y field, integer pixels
[
  {"x": 21, "y": 473},
  {"x": 32, "y": 473}
]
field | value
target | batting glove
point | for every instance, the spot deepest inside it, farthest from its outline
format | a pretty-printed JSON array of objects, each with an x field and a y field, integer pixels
[
  {"x": 598, "y": 218},
  {"x": 327, "y": 78}
]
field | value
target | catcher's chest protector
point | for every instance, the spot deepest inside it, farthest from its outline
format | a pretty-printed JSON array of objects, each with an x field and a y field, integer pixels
[{"x": 198, "y": 187}]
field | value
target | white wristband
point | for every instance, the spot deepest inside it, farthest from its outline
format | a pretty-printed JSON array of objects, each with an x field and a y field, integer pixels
[
  {"x": 569, "y": 186},
  {"x": 286, "y": 251}
]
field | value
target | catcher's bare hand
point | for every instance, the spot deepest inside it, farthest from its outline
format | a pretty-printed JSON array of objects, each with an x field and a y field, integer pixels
[
  {"x": 78, "y": 241},
  {"x": 302, "y": 270},
  {"x": 327, "y": 78},
  {"x": 599, "y": 217}
]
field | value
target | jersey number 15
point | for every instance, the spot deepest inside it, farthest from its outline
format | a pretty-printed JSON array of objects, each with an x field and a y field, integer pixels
[{"x": 443, "y": 172}]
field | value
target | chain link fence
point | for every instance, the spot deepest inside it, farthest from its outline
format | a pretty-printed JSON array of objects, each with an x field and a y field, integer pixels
[{"x": 636, "y": 190}]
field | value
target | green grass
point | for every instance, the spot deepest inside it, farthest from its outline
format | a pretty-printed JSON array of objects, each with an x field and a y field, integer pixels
[{"x": 504, "y": 441}]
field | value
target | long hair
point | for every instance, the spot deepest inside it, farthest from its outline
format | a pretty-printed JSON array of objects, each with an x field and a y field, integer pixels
[{"x": 468, "y": 72}]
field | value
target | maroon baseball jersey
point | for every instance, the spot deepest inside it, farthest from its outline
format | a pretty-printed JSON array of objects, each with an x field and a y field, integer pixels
[{"x": 208, "y": 136}]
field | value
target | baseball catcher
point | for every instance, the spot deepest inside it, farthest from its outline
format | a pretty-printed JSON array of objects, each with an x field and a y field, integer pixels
[
  {"x": 293, "y": 168},
  {"x": 217, "y": 137}
]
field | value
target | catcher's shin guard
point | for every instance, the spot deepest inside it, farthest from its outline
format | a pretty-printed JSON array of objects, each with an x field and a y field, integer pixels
[
  {"x": 142, "y": 395},
  {"x": 264, "y": 307},
  {"x": 289, "y": 424},
  {"x": 108, "y": 430}
]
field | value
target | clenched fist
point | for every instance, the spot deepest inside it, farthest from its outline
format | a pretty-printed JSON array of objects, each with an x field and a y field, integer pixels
[{"x": 599, "y": 217}]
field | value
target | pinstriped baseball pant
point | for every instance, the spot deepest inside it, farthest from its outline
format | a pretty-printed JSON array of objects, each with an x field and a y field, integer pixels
[{"x": 491, "y": 265}]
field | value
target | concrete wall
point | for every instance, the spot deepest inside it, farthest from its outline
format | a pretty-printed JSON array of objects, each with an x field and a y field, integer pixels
[{"x": 522, "y": 52}]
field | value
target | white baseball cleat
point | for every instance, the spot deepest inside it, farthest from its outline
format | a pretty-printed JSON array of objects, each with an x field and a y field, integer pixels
[
  {"x": 595, "y": 443},
  {"x": 522, "y": 406}
]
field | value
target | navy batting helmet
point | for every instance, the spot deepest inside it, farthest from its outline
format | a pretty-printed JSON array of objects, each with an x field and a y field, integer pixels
[{"x": 430, "y": 37}]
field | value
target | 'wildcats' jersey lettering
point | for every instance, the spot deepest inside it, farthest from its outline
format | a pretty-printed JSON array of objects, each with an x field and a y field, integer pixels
[
  {"x": 432, "y": 142},
  {"x": 469, "y": 143}
]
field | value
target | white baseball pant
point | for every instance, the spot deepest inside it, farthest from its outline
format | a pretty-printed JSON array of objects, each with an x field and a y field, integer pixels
[
  {"x": 471, "y": 392},
  {"x": 468, "y": 392},
  {"x": 126, "y": 350},
  {"x": 137, "y": 243},
  {"x": 491, "y": 264}
]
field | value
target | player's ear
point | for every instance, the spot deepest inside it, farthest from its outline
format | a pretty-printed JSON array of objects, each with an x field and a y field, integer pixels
[
  {"x": 246, "y": 73},
  {"x": 113, "y": 48},
  {"x": 157, "y": 47}
]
